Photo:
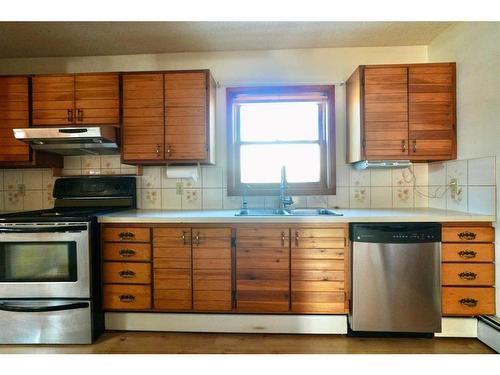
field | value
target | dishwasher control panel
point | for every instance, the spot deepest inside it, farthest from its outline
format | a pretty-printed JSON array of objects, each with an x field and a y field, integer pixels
[{"x": 395, "y": 232}]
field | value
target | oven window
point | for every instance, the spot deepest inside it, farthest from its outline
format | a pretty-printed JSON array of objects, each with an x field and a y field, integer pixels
[{"x": 38, "y": 261}]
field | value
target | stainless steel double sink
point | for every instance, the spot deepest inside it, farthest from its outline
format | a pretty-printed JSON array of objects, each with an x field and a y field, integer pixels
[{"x": 281, "y": 212}]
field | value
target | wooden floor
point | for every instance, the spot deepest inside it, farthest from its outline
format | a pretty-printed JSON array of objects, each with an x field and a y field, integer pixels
[{"x": 215, "y": 343}]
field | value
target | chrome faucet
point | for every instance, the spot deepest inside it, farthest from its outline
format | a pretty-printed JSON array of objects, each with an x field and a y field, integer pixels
[{"x": 285, "y": 201}]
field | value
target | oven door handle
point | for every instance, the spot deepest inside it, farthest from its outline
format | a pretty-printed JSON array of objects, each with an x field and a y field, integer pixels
[
  {"x": 68, "y": 306},
  {"x": 75, "y": 228}
]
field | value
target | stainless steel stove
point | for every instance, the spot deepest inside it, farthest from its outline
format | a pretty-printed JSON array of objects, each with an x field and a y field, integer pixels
[{"x": 50, "y": 263}]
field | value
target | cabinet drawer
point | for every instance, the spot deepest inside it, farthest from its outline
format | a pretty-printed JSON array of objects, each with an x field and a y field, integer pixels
[
  {"x": 127, "y": 297},
  {"x": 468, "y": 234},
  {"x": 126, "y": 273},
  {"x": 127, "y": 251},
  {"x": 172, "y": 237},
  {"x": 470, "y": 274},
  {"x": 126, "y": 234},
  {"x": 468, "y": 301},
  {"x": 471, "y": 252}
]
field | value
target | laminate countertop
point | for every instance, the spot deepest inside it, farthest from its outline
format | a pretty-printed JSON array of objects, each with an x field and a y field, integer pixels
[{"x": 349, "y": 216}]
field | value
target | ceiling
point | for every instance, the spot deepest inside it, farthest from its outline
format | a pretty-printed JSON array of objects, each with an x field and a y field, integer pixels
[{"x": 54, "y": 39}]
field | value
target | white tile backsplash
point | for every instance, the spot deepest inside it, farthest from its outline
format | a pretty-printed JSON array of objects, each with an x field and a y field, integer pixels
[
  {"x": 437, "y": 174},
  {"x": 456, "y": 169},
  {"x": 481, "y": 200},
  {"x": 381, "y": 177},
  {"x": 481, "y": 171},
  {"x": 380, "y": 197},
  {"x": 170, "y": 200}
]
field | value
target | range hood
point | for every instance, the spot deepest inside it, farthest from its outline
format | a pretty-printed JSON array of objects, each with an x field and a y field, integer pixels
[
  {"x": 372, "y": 164},
  {"x": 95, "y": 140}
]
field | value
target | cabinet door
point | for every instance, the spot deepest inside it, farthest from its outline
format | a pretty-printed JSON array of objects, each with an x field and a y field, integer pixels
[
  {"x": 385, "y": 113},
  {"x": 143, "y": 118},
  {"x": 97, "y": 99},
  {"x": 14, "y": 113},
  {"x": 172, "y": 269},
  {"x": 53, "y": 100},
  {"x": 212, "y": 284},
  {"x": 186, "y": 116},
  {"x": 262, "y": 269},
  {"x": 432, "y": 131},
  {"x": 318, "y": 270}
]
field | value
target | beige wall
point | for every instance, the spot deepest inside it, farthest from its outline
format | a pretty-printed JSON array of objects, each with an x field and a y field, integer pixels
[{"x": 476, "y": 49}]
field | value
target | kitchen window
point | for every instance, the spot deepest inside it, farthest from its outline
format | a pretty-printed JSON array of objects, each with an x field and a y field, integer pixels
[{"x": 271, "y": 127}]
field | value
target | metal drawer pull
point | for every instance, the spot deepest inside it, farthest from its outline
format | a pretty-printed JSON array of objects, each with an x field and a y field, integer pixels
[
  {"x": 157, "y": 150},
  {"x": 126, "y": 235},
  {"x": 469, "y": 302},
  {"x": 282, "y": 238},
  {"x": 127, "y": 274},
  {"x": 467, "y": 254},
  {"x": 403, "y": 146},
  {"x": 184, "y": 242},
  {"x": 127, "y": 253},
  {"x": 197, "y": 238},
  {"x": 296, "y": 238},
  {"x": 467, "y": 235},
  {"x": 127, "y": 298},
  {"x": 70, "y": 115},
  {"x": 467, "y": 275},
  {"x": 414, "y": 146},
  {"x": 79, "y": 115}
]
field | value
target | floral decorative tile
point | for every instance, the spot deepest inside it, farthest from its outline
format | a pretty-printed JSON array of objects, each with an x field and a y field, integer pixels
[
  {"x": 13, "y": 201},
  {"x": 48, "y": 179},
  {"x": 12, "y": 179},
  {"x": 91, "y": 162},
  {"x": 110, "y": 162},
  {"x": 402, "y": 197},
  {"x": 151, "y": 198},
  {"x": 359, "y": 197},
  {"x": 191, "y": 199},
  {"x": 72, "y": 162}
]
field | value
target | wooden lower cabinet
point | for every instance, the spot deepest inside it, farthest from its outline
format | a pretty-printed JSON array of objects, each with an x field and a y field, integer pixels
[
  {"x": 318, "y": 270},
  {"x": 468, "y": 271},
  {"x": 247, "y": 269},
  {"x": 172, "y": 269},
  {"x": 262, "y": 269}
]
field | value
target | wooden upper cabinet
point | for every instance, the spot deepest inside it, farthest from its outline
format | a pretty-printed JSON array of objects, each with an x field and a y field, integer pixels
[
  {"x": 398, "y": 112},
  {"x": 143, "y": 127},
  {"x": 76, "y": 99},
  {"x": 14, "y": 113},
  {"x": 186, "y": 116},
  {"x": 97, "y": 99},
  {"x": 432, "y": 131},
  {"x": 168, "y": 117},
  {"x": 53, "y": 100},
  {"x": 386, "y": 113}
]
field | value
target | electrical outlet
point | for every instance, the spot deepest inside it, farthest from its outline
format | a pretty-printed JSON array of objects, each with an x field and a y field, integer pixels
[
  {"x": 455, "y": 190},
  {"x": 179, "y": 188}
]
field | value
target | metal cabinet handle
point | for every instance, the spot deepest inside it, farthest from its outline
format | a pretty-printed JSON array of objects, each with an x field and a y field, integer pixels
[
  {"x": 125, "y": 253},
  {"x": 158, "y": 150},
  {"x": 70, "y": 115},
  {"x": 468, "y": 236},
  {"x": 126, "y": 235},
  {"x": 168, "y": 150},
  {"x": 79, "y": 115},
  {"x": 126, "y": 274},
  {"x": 469, "y": 302},
  {"x": 467, "y": 254},
  {"x": 414, "y": 145},
  {"x": 127, "y": 298},
  {"x": 184, "y": 241},
  {"x": 467, "y": 275},
  {"x": 297, "y": 238},
  {"x": 403, "y": 145},
  {"x": 196, "y": 239},
  {"x": 282, "y": 238}
]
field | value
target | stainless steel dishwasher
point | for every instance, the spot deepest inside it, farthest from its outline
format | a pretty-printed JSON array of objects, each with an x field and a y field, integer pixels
[{"x": 396, "y": 278}]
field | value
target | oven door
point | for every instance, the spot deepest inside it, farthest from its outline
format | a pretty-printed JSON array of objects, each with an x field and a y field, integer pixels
[{"x": 44, "y": 260}]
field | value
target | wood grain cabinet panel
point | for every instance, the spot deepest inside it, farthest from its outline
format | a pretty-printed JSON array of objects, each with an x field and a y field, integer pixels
[
  {"x": 97, "y": 99},
  {"x": 432, "y": 119},
  {"x": 172, "y": 269},
  {"x": 212, "y": 269},
  {"x": 143, "y": 117},
  {"x": 262, "y": 269},
  {"x": 318, "y": 270},
  {"x": 53, "y": 100},
  {"x": 14, "y": 113}
]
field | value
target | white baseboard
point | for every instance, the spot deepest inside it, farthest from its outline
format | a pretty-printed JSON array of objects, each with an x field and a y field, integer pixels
[
  {"x": 228, "y": 323},
  {"x": 458, "y": 327},
  {"x": 258, "y": 323}
]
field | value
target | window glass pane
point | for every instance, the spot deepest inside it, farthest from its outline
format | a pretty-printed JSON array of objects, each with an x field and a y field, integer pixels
[
  {"x": 262, "y": 163},
  {"x": 288, "y": 121}
]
